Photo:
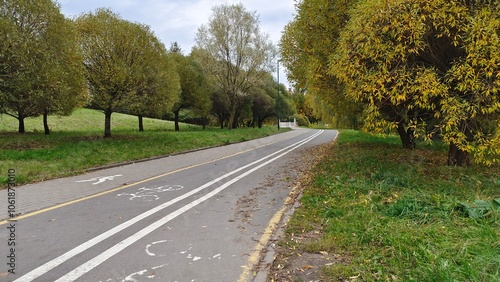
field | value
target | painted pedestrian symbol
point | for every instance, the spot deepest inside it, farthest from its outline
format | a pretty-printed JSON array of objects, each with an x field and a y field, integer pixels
[{"x": 100, "y": 180}]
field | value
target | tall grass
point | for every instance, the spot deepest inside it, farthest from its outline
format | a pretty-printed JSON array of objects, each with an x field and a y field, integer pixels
[
  {"x": 77, "y": 144},
  {"x": 397, "y": 215}
]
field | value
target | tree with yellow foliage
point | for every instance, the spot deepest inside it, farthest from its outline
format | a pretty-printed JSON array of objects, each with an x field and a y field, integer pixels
[
  {"x": 306, "y": 46},
  {"x": 428, "y": 65}
]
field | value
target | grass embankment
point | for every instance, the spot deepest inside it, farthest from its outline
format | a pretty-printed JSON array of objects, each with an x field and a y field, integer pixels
[
  {"x": 375, "y": 212},
  {"x": 76, "y": 143}
]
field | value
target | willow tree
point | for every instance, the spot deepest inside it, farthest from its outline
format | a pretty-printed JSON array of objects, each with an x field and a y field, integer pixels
[
  {"x": 306, "y": 46},
  {"x": 126, "y": 66},
  {"x": 420, "y": 62},
  {"x": 235, "y": 52},
  {"x": 40, "y": 64}
]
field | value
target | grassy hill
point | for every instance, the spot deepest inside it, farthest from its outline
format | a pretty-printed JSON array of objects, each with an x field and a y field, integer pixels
[
  {"x": 77, "y": 144},
  {"x": 86, "y": 120}
]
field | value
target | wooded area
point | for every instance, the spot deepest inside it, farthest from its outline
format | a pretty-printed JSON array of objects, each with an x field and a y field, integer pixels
[
  {"x": 427, "y": 69},
  {"x": 52, "y": 65}
]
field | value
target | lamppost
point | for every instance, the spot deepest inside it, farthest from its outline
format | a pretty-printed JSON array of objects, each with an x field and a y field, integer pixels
[{"x": 278, "y": 102}]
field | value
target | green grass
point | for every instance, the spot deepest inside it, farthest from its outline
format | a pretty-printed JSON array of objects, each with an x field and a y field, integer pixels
[
  {"x": 77, "y": 144},
  {"x": 398, "y": 215}
]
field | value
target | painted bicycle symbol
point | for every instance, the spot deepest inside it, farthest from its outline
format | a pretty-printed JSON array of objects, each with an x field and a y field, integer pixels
[{"x": 151, "y": 194}]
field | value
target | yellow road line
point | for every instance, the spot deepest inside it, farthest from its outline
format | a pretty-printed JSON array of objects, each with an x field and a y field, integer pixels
[
  {"x": 120, "y": 188},
  {"x": 254, "y": 258}
]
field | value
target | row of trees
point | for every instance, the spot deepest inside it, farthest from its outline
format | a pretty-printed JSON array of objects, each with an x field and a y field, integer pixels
[
  {"x": 126, "y": 67},
  {"x": 40, "y": 62},
  {"x": 50, "y": 64},
  {"x": 428, "y": 67}
]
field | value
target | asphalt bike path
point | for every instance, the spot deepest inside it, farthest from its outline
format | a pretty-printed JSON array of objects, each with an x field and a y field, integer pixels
[
  {"x": 191, "y": 217},
  {"x": 38, "y": 196}
]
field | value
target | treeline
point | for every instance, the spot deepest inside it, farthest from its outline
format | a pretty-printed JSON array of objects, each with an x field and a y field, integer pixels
[
  {"x": 51, "y": 65},
  {"x": 421, "y": 68}
]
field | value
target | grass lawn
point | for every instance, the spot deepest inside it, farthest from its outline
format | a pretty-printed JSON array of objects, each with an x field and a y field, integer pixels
[
  {"x": 76, "y": 143},
  {"x": 375, "y": 212}
]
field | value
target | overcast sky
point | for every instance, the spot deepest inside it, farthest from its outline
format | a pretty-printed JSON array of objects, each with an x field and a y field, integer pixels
[{"x": 179, "y": 20}]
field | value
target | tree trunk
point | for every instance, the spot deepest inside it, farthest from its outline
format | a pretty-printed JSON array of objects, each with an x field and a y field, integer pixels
[
  {"x": 107, "y": 123},
  {"x": 205, "y": 122},
  {"x": 220, "y": 118},
  {"x": 141, "y": 123},
  {"x": 21, "y": 124},
  {"x": 176, "y": 120},
  {"x": 232, "y": 117},
  {"x": 45, "y": 123},
  {"x": 457, "y": 157},
  {"x": 404, "y": 136}
]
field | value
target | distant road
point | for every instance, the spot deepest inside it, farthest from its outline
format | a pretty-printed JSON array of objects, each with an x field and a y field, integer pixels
[{"x": 192, "y": 217}]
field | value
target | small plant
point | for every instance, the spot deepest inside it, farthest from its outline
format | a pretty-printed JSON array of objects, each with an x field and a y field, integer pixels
[{"x": 479, "y": 208}]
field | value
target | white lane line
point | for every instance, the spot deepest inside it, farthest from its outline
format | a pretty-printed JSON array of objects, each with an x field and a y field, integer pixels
[
  {"x": 89, "y": 265},
  {"x": 39, "y": 271}
]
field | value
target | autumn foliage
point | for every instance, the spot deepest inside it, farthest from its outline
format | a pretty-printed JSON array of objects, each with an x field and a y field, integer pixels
[{"x": 426, "y": 66}]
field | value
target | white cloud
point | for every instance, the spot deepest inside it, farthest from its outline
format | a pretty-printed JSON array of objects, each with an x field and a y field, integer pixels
[{"x": 178, "y": 20}]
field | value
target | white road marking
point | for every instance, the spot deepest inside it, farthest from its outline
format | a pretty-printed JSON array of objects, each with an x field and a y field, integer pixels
[
  {"x": 86, "y": 267},
  {"x": 189, "y": 256},
  {"x": 151, "y": 194},
  {"x": 152, "y": 244},
  {"x": 184, "y": 252},
  {"x": 159, "y": 266},
  {"x": 100, "y": 179},
  {"x": 131, "y": 278}
]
